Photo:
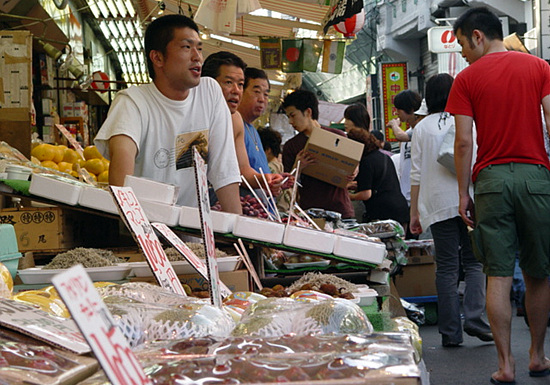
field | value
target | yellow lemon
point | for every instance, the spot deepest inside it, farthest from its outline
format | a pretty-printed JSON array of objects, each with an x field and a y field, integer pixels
[
  {"x": 65, "y": 167},
  {"x": 50, "y": 164},
  {"x": 59, "y": 152},
  {"x": 70, "y": 156},
  {"x": 91, "y": 152},
  {"x": 106, "y": 163},
  {"x": 79, "y": 163},
  {"x": 95, "y": 166},
  {"x": 103, "y": 177},
  {"x": 44, "y": 152}
]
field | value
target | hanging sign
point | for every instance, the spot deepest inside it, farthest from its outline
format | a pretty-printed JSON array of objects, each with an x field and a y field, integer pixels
[
  {"x": 133, "y": 215},
  {"x": 206, "y": 228},
  {"x": 394, "y": 80},
  {"x": 96, "y": 323},
  {"x": 442, "y": 39},
  {"x": 270, "y": 53},
  {"x": 343, "y": 10}
]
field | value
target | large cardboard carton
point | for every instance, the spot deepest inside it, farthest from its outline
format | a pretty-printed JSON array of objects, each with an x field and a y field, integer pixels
[
  {"x": 416, "y": 281},
  {"x": 337, "y": 157}
]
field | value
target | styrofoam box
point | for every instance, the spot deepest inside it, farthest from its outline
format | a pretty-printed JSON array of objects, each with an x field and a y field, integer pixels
[
  {"x": 258, "y": 229},
  {"x": 142, "y": 269},
  {"x": 161, "y": 212},
  {"x": 309, "y": 239},
  {"x": 97, "y": 198},
  {"x": 359, "y": 249},
  {"x": 36, "y": 275},
  {"x": 54, "y": 187},
  {"x": 365, "y": 295},
  {"x": 221, "y": 222},
  {"x": 147, "y": 189}
]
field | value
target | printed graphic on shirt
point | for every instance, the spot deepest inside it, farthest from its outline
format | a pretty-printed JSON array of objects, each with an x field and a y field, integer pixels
[
  {"x": 184, "y": 148},
  {"x": 162, "y": 158}
]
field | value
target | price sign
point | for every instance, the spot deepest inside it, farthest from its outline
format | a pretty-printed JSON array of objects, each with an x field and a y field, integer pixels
[
  {"x": 138, "y": 224},
  {"x": 36, "y": 323},
  {"x": 188, "y": 254},
  {"x": 98, "y": 327},
  {"x": 71, "y": 139},
  {"x": 206, "y": 228}
]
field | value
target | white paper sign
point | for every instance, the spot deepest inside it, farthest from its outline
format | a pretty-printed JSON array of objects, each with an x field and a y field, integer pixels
[
  {"x": 36, "y": 323},
  {"x": 206, "y": 227},
  {"x": 98, "y": 327},
  {"x": 138, "y": 224},
  {"x": 188, "y": 254},
  {"x": 71, "y": 139}
]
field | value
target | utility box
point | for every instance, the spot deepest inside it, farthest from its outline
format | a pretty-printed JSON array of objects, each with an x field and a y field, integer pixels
[{"x": 337, "y": 157}]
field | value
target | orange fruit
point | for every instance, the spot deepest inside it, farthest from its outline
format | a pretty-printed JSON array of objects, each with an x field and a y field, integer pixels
[
  {"x": 65, "y": 167},
  {"x": 59, "y": 152},
  {"x": 49, "y": 164},
  {"x": 91, "y": 152},
  {"x": 70, "y": 156},
  {"x": 79, "y": 162},
  {"x": 103, "y": 177},
  {"x": 95, "y": 166},
  {"x": 106, "y": 163},
  {"x": 44, "y": 152}
]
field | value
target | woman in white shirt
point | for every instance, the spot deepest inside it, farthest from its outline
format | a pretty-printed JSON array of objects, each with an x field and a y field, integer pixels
[{"x": 434, "y": 204}]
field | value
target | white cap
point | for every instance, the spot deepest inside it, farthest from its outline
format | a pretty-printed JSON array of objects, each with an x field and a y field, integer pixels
[{"x": 423, "y": 110}]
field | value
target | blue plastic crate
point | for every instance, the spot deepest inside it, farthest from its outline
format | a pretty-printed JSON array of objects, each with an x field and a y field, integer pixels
[{"x": 9, "y": 252}]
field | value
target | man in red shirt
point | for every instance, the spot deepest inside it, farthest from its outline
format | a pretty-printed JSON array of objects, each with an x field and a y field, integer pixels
[{"x": 502, "y": 92}]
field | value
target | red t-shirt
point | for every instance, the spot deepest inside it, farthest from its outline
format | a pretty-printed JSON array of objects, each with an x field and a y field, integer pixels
[{"x": 503, "y": 91}]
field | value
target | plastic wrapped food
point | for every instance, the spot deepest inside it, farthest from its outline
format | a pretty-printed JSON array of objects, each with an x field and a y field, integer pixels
[
  {"x": 6, "y": 282},
  {"x": 24, "y": 364},
  {"x": 310, "y": 359},
  {"x": 143, "y": 292},
  {"x": 383, "y": 229},
  {"x": 279, "y": 316}
]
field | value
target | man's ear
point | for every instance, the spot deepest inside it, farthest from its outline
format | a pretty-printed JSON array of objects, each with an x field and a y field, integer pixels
[
  {"x": 477, "y": 36},
  {"x": 308, "y": 112},
  {"x": 156, "y": 57}
]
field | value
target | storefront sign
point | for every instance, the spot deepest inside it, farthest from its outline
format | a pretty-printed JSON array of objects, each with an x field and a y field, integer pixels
[
  {"x": 442, "y": 39},
  {"x": 394, "y": 80},
  {"x": 96, "y": 323}
]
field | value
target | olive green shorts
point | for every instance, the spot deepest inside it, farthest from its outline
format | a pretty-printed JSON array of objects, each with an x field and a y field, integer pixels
[{"x": 512, "y": 208}]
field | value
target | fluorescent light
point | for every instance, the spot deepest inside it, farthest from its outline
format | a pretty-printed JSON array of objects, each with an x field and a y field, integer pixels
[
  {"x": 112, "y": 7},
  {"x": 103, "y": 8}
]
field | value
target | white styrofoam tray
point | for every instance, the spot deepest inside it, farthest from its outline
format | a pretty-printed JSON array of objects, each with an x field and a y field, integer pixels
[
  {"x": 36, "y": 275},
  {"x": 359, "y": 249},
  {"x": 309, "y": 239},
  {"x": 142, "y": 269},
  {"x": 147, "y": 189},
  {"x": 161, "y": 212},
  {"x": 221, "y": 222},
  {"x": 55, "y": 187},
  {"x": 258, "y": 229},
  {"x": 364, "y": 295},
  {"x": 97, "y": 198}
]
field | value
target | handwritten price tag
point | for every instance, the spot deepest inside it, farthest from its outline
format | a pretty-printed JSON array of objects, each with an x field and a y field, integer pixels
[
  {"x": 138, "y": 224},
  {"x": 98, "y": 327},
  {"x": 39, "y": 324},
  {"x": 188, "y": 254},
  {"x": 206, "y": 227},
  {"x": 71, "y": 139}
]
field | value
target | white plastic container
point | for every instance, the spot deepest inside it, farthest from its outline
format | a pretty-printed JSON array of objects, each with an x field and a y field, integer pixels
[
  {"x": 57, "y": 188},
  {"x": 309, "y": 239},
  {"x": 18, "y": 172},
  {"x": 147, "y": 189},
  {"x": 359, "y": 249},
  {"x": 365, "y": 295},
  {"x": 258, "y": 229},
  {"x": 221, "y": 222},
  {"x": 161, "y": 212},
  {"x": 97, "y": 198},
  {"x": 37, "y": 275},
  {"x": 142, "y": 269}
]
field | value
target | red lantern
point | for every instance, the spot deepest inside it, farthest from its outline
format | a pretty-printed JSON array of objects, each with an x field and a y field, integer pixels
[{"x": 352, "y": 25}]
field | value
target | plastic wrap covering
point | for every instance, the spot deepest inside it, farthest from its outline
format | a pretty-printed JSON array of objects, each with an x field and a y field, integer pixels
[
  {"x": 143, "y": 292},
  {"x": 273, "y": 317},
  {"x": 144, "y": 322},
  {"x": 403, "y": 324},
  {"x": 383, "y": 229},
  {"x": 6, "y": 282},
  {"x": 311, "y": 359},
  {"x": 24, "y": 364}
]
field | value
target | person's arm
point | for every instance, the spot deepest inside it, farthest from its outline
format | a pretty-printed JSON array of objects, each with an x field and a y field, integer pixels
[
  {"x": 122, "y": 153},
  {"x": 546, "y": 109},
  {"x": 228, "y": 196},
  {"x": 361, "y": 195},
  {"x": 415, "y": 226},
  {"x": 399, "y": 134},
  {"x": 463, "y": 164}
]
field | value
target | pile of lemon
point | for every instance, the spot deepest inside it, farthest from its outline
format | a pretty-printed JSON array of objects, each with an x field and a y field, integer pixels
[{"x": 67, "y": 160}]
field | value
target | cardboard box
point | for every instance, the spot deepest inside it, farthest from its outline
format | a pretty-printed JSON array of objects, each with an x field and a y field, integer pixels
[
  {"x": 420, "y": 255},
  {"x": 238, "y": 280},
  {"x": 416, "y": 281},
  {"x": 40, "y": 228},
  {"x": 337, "y": 157}
]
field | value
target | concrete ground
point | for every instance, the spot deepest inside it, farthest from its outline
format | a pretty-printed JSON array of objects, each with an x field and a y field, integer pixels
[{"x": 475, "y": 361}]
